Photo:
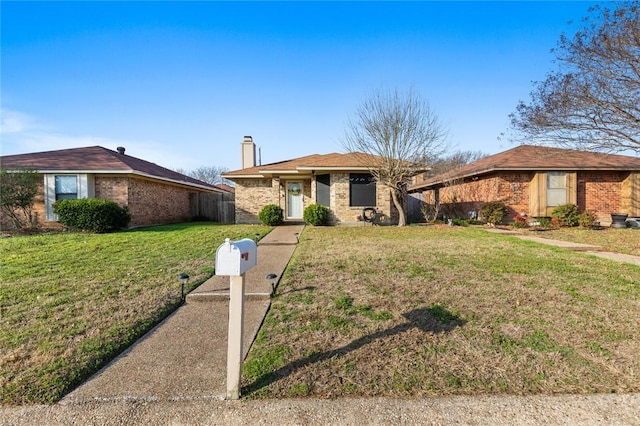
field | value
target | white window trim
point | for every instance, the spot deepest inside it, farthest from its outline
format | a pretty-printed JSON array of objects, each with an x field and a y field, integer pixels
[{"x": 86, "y": 189}]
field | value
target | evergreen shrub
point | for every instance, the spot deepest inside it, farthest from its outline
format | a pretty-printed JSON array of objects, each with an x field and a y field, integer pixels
[
  {"x": 316, "y": 214},
  {"x": 92, "y": 214},
  {"x": 271, "y": 215}
]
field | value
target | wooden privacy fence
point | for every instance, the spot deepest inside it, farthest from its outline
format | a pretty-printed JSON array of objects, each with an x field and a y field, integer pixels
[{"x": 218, "y": 207}]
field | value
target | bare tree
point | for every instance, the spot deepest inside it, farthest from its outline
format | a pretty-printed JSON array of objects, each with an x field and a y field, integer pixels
[
  {"x": 452, "y": 161},
  {"x": 209, "y": 174},
  {"x": 402, "y": 130},
  {"x": 593, "y": 101}
]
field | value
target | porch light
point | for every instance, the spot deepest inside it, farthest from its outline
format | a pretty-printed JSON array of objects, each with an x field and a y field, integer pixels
[
  {"x": 184, "y": 280},
  {"x": 272, "y": 277}
]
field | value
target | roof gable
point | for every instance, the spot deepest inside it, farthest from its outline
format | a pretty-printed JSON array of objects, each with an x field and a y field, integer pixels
[
  {"x": 532, "y": 158},
  {"x": 96, "y": 159}
]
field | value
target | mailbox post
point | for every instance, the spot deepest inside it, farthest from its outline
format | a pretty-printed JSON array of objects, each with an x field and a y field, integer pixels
[{"x": 234, "y": 258}]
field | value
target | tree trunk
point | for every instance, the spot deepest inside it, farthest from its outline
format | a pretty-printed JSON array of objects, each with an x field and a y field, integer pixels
[{"x": 402, "y": 216}]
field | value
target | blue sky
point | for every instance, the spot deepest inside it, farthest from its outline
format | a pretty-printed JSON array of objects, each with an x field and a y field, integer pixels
[{"x": 181, "y": 83}]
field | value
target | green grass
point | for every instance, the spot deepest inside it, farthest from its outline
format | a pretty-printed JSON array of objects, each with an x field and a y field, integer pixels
[
  {"x": 71, "y": 302},
  {"x": 418, "y": 311}
]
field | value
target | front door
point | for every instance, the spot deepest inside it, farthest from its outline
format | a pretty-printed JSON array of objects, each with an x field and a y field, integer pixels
[{"x": 294, "y": 200}]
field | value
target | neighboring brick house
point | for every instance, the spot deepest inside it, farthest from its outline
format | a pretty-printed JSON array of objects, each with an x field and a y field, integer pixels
[
  {"x": 341, "y": 182},
  {"x": 153, "y": 194},
  {"x": 534, "y": 180}
]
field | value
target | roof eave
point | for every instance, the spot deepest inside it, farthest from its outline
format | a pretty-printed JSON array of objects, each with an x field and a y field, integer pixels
[
  {"x": 333, "y": 168},
  {"x": 128, "y": 172},
  {"x": 247, "y": 176},
  {"x": 180, "y": 182}
]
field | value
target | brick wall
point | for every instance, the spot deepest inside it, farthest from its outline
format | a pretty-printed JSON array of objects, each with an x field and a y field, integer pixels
[
  {"x": 596, "y": 191},
  {"x": 252, "y": 195},
  {"x": 114, "y": 188},
  {"x": 155, "y": 203},
  {"x": 345, "y": 214},
  {"x": 149, "y": 202},
  {"x": 600, "y": 192},
  {"x": 461, "y": 197}
]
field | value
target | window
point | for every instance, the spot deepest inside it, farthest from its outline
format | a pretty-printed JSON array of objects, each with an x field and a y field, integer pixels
[
  {"x": 556, "y": 189},
  {"x": 323, "y": 194},
  {"x": 66, "y": 187},
  {"x": 362, "y": 190}
]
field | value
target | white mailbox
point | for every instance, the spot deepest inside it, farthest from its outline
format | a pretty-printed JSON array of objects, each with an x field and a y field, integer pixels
[{"x": 236, "y": 257}]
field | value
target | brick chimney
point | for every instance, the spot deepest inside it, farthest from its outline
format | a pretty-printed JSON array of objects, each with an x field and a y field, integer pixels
[{"x": 248, "y": 152}]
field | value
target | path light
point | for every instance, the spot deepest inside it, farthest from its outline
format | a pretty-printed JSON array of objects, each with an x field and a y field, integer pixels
[
  {"x": 257, "y": 237},
  {"x": 184, "y": 279},
  {"x": 297, "y": 234},
  {"x": 272, "y": 277}
]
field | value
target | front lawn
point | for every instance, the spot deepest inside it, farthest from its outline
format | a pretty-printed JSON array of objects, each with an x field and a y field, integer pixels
[
  {"x": 422, "y": 311},
  {"x": 71, "y": 302}
]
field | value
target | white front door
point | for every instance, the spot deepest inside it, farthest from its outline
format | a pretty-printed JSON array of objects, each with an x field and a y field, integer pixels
[{"x": 294, "y": 200}]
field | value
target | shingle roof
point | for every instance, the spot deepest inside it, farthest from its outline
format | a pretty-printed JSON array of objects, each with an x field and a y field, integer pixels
[
  {"x": 96, "y": 159},
  {"x": 227, "y": 188},
  {"x": 328, "y": 162},
  {"x": 530, "y": 157}
]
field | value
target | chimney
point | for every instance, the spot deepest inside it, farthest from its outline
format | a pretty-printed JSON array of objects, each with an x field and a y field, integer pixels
[
  {"x": 248, "y": 152},
  {"x": 120, "y": 150}
]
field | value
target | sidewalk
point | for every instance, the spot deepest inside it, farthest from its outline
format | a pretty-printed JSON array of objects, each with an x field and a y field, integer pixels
[{"x": 585, "y": 248}]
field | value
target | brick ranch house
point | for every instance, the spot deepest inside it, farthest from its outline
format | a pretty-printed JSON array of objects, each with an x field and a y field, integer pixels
[
  {"x": 534, "y": 180},
  {"x": 153, "y": 194},
  {"x": 341, "y": 182}
]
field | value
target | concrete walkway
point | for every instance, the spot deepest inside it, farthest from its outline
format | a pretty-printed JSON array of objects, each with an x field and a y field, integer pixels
[
  {"x": 175, "y": 375},
  {"x": 586, "y": 248},
  {"x": 184, "y": 358}
]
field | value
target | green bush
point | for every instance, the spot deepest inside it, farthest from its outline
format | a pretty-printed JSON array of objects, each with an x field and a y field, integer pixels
[
  {"x": 92, "y": 214},
  {"x": 271, "y": 215},
  {"x": 460, "y": 222},
  {"x": 316, "y": 214},
  {"x": 567, "y": 215},
  {"x": 493, "y": 212},
  {"x": 587, "y": 219},
  {"x": 544, "y": 222}
]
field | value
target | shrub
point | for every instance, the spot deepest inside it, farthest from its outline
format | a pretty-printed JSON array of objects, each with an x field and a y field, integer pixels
[
  {"x": 520, "y": 221},
  {"x": 493, "y": 212},
  {"x": 544, "y": 222},
  {"x": 566, "y": 215},
  {"x": 587, "y": 219},
  {"x": 271, "y": 215},
  {"x": 460, "y": 222},
  {"x": 92, "y": 214},
  {"x": 316, "y": 214}
]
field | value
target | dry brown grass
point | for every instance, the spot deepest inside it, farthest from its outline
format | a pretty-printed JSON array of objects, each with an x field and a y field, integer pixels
[{"x": 441, "y": 310}]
